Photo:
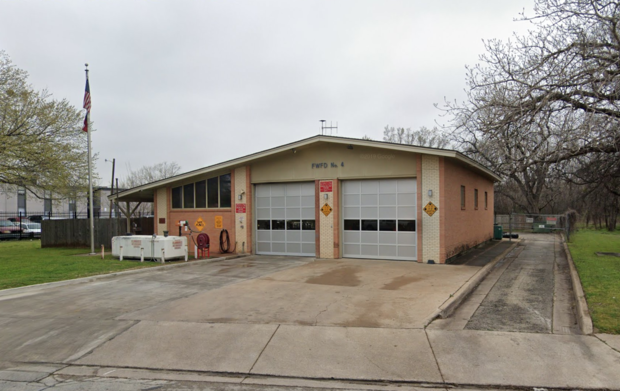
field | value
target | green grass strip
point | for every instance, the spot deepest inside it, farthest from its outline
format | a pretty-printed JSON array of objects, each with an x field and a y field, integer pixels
[
  {"x": 26, "y": 263},
  {"x": 600, "y": 276}
]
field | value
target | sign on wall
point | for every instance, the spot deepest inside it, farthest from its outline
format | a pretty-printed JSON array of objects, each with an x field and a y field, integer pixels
[
  {"x": 200, "y": 224},
  {"x": 219, "y": 222},
  {"x": 326, "y": 209},
  {"x": 325, "y": 186},
  {"x": 240, "y": 208},
  {"x": 430, "y": 209}
]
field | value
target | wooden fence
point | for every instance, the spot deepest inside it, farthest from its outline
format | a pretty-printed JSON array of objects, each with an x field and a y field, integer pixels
[{"x": 76, "y": 232}]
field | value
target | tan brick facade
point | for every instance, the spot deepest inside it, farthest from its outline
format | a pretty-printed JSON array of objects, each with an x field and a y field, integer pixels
[
  {"x": 431, "y": 227},
  {"x": 242, "y": 225},
  {"x": 327, "y": 223}
]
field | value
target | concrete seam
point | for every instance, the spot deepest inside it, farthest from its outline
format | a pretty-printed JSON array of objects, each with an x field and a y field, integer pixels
[
  {"x": 261, "y": 352},
  {"x": 443, "y": 380},
  {"x": 103, "y": 343},
  {"x": 608, "y": 345}
]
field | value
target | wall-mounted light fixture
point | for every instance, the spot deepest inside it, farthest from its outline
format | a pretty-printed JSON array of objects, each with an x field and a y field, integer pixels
[
  {"x": 430, "y": 193},
  {"x": 350, "y": 146},
  {"x": 326, "y": 196},
  {"x": 241, "y": 195},
  {"x": 294, "y": 150}
]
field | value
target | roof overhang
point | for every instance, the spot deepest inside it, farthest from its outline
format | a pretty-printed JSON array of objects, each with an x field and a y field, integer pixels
[{"x": 145, "y": 193}]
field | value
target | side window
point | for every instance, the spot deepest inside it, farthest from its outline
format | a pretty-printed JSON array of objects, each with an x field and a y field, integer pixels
[
  {"x": 177, "y": 197},
  {"x": 462, "y": 197},
  {"x": 225, "y": 191}
]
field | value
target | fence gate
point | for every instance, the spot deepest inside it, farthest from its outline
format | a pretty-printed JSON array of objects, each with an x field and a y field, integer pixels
[{"x": 537, "y": 223}]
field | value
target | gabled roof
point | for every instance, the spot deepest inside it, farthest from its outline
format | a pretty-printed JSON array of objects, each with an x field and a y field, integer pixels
[{"x": 144, "y": 193}]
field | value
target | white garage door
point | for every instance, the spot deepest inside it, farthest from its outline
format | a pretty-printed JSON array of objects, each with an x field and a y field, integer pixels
[
  {"x": 379, "y": 219},
  {"x": 285, "y": 219}
]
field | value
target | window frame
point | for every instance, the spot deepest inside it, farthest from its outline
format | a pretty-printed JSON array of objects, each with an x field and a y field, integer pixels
[
  {"x": 476, "y": 199},
  {"x": 486, "y": 200},
  {"x": 216, "y": 183},
  {"x": 463, "y": 198}
]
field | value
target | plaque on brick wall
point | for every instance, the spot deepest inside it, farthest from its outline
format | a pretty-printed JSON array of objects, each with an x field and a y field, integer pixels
[{"x": 326, "y": 209}]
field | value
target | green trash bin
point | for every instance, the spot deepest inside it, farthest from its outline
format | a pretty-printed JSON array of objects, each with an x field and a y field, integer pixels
[{"x": 498, "y": 232}]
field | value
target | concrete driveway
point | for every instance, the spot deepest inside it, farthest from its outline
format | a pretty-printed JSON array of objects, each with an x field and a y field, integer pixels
[{"x": 224, "y": 316}]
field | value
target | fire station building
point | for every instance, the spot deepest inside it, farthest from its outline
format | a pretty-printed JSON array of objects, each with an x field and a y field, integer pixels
[{"x": 333, "y": 197}]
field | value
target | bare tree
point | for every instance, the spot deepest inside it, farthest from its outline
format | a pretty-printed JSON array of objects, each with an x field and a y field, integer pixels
[
  {"x": 550, "y": 96},
  {"x": 423, "y": 137},
  {"x": 144, "y": 175}
]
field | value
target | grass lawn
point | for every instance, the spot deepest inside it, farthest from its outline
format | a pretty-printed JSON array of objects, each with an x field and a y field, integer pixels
[
  {"x": 600, "y": 276},
  {"x": 26, "y": 263}
]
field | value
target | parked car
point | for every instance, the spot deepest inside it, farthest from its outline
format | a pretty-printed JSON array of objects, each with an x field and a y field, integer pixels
[
  {"x": 32, "y": 230},
  {"x": 9, "y": 229}
]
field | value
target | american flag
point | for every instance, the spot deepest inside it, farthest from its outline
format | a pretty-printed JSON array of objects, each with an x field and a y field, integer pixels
[
  {"x": 85, "y": 127},
  {"x": 87, "y": 97}
]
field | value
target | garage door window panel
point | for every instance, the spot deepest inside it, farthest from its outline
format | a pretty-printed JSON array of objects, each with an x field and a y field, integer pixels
[
  {"x": 352, "y": 225},
  {"x": 406, "y": 225},
  {"x": 263, "y": 225},
  {"x": 387, "y": 225},
  {"x": 308, "y": 225}
]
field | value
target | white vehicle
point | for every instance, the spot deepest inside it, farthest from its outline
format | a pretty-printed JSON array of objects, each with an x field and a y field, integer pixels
[{"x": 32, "y": 230}]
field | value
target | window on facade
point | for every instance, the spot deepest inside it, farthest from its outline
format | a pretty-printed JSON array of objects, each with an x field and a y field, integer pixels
[
  {"x": 201, "y": 194},
  {"x": 486, "y": 200},
  {"x": 47, "y": 202},
  {"x": 177, "y": 197},
  {"x": 475, "y": 198},
  {"x": 211, "y": 193},
  {"x": 462, "y": 197},
  {"x": 225, "y": 191},
  {"x": 188, "y": 196}
]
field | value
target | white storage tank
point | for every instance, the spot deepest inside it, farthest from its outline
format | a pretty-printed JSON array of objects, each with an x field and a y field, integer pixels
[{"x": 149, "y": 247}]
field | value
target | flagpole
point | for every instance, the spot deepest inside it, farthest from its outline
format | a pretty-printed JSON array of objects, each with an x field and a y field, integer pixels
[{"x": 90, "y": 180}]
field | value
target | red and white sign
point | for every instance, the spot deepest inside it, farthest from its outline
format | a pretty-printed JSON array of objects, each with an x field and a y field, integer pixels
[
  {"x": 240, "y": 208},
  {"x": 326, "y": 187}
]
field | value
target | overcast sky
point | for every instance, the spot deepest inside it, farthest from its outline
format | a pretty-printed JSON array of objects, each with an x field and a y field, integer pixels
[{"x": 200, "y": 82}]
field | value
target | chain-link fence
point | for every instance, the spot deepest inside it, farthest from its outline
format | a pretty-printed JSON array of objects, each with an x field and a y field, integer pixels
[{"x": 537, "y": 223}]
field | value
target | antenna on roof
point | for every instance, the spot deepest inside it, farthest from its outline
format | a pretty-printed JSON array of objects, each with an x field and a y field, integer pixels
[{"x": 329, "y": 128}]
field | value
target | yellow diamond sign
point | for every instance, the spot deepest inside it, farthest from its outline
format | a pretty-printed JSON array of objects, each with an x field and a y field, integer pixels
[
  {"x": 326, "y": 209},
  {"x": 430, "y": 209},
  {"x": 200, "y": 224}
]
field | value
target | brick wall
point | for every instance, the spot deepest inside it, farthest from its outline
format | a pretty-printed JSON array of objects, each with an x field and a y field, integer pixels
[{"x": 464, "y": 228}]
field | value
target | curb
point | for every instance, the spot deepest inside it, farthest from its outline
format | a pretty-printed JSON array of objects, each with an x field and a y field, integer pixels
[
  {"x": 582, "y": 312},
  {"x": 12, "y": 291},
  {"x": 450, "y": 305}
]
